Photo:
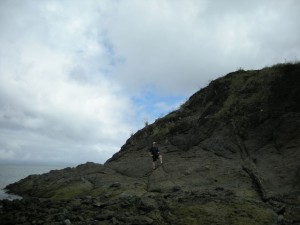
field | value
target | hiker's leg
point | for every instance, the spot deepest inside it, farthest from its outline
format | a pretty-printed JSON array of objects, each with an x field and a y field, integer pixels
[
  {"x": 160, "y": 159},
  {"x": 153, "y": 161}
]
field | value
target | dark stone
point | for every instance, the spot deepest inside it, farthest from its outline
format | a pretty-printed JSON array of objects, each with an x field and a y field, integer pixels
[
  {"x": 104, "y": 215},
  {"x": 230, "y": 153},
  {"x": 115, "y": 185}
]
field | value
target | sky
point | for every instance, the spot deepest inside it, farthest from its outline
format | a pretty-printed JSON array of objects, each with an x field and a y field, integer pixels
[{"x": 78, "y": 78}]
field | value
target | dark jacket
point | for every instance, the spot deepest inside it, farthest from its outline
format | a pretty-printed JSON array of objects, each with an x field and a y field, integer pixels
[{"x": 154, "y": 150}]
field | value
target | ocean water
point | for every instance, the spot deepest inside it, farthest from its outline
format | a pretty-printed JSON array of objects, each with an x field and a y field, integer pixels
[{"x": 13, "y": 173}]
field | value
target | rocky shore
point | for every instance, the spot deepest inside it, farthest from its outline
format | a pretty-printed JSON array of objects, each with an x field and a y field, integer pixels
[
  {"x": 215, "y": 207},
  {"x": 231, "y": 156}
]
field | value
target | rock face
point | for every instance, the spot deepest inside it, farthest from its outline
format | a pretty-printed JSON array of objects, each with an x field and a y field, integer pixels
[{"x": 231, "y": 156}]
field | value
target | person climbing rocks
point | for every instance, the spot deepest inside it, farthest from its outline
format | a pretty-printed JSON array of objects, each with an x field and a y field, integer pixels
[{"x": 154, "y": 153}]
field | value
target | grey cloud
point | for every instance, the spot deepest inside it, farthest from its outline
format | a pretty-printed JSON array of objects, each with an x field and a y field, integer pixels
[
  {"x": 181, "y": 50},
  {"x": 44, "y": 114},
  {"x": 69, "y": 69}
]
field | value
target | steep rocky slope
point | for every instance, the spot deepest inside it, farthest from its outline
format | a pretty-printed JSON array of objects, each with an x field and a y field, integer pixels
[{"x": 231, "y": 156}]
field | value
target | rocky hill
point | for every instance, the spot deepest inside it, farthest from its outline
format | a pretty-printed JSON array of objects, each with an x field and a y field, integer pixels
[{"x": 231, "y": 155}]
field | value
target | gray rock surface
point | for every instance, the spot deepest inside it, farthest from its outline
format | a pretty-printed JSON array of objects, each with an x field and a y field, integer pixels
[{"x": 231, "y": 156}]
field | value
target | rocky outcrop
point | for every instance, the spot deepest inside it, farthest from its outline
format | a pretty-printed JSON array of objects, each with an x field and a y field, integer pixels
[
  {"x": 231, "y": 156},
  {"x": 89, "y": 179}
]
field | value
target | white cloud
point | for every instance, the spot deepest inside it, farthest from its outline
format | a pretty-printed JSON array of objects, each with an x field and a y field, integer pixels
[
  {"x": 180, "y": 46},
  {"x": 46, "y": 111},
  {"x": 77, "y": 77}
]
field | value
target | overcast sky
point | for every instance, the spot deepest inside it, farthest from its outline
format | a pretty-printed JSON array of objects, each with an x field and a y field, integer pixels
[{"x": 77, "y": 78}]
